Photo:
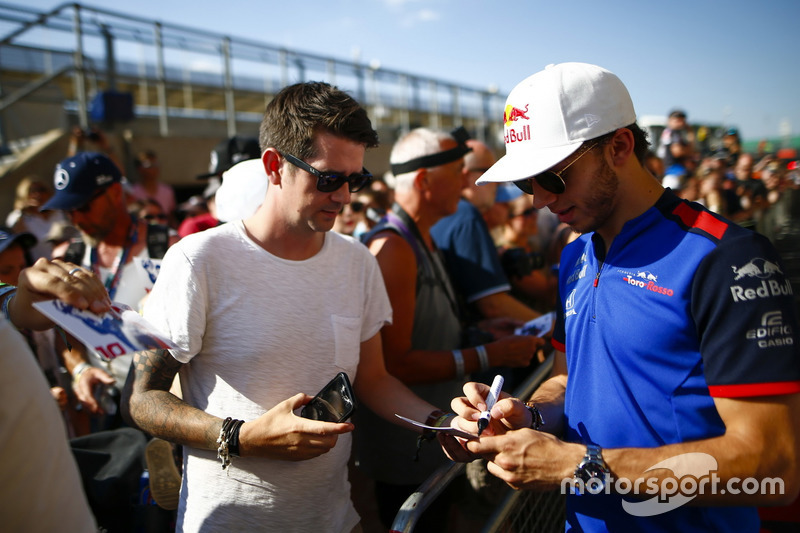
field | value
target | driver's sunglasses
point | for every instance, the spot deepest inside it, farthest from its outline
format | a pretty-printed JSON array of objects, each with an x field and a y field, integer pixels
[
  {"x": 331, "y": 181},
  {"x": 549, "y": 180}
]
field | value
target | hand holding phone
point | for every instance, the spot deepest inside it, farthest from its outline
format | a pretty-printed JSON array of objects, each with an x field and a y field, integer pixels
[{"x": 334, "y": 403}]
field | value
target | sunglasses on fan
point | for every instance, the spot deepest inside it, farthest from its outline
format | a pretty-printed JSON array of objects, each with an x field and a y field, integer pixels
[{"x": 332, "y": 181}]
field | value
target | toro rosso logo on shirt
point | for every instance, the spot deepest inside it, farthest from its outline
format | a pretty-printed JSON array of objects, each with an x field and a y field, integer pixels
[
  {"x": 644, "y": 279},
  {"x": 764, "y": 270}
]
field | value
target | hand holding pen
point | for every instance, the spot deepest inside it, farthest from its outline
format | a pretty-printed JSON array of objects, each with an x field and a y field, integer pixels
[{"x": 491, "y": 399}]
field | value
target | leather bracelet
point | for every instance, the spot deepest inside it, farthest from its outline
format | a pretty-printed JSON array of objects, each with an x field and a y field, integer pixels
[
  {"x": 233, "y": 438},
  {"x": 537, "y": 420}
]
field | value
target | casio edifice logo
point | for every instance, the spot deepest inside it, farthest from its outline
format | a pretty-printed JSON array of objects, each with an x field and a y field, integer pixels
[
  {"x": 772, "y": 331},
  {"x": 764, "y": 270}
]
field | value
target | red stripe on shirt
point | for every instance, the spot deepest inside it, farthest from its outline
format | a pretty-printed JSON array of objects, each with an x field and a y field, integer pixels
[
  {"x": 754, "y": 389},
  {"x": 701, "y": 220},
  {"x": 560, "y": 346}
]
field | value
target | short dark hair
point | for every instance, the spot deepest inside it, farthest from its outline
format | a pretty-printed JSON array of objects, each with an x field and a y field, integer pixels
[
  {"x": 300, "y": 111},
  {"x": 641, "y": 144}
]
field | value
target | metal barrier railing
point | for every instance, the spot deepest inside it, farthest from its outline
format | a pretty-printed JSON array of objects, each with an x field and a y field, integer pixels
[{"x": 519, "y": 512}]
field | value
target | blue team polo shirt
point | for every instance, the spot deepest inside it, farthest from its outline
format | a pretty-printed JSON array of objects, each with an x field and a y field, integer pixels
[{"x": 685, "y": 307}]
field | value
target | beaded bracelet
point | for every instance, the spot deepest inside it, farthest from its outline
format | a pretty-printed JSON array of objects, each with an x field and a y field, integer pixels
[{"x": 230, "y": 427}]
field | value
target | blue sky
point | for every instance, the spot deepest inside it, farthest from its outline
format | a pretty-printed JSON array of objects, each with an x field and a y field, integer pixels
[{"x": 733, "y": 62}]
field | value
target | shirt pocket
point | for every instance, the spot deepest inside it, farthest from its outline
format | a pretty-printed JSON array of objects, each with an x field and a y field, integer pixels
[{"x": 347, "y": 339}]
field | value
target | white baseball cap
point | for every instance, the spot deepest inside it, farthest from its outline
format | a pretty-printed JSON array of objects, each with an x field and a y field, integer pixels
[
  {"x": 550, "y": 114},
  {"x": 242, "y": 191}
]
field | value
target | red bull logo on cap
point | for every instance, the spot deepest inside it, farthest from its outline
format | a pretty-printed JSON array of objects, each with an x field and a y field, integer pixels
[{"x": 512, "y": 114}]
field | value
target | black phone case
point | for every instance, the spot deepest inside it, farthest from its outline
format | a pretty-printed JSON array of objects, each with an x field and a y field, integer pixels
[{"x": 338, "y": 389}]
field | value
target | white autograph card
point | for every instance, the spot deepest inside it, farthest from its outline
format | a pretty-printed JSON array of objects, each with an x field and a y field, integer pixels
[{"x": 449, "y": 430}]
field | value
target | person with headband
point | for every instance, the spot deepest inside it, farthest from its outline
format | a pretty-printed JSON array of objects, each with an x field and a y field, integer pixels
[{"x": 426, "y": 345}]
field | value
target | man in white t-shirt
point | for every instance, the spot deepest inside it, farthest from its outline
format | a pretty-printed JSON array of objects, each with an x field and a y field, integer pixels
[{"x": 265, "y": 311}]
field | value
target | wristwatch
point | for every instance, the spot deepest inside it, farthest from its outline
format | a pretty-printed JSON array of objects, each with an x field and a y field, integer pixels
[{"x": 593, "y": 471}]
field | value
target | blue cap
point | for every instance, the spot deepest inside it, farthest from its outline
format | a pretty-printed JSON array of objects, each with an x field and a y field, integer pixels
[
  {"x": 7, "y": 238},
  {"x": 77, "y": 178},
  {"x": 507, "y": 192}
]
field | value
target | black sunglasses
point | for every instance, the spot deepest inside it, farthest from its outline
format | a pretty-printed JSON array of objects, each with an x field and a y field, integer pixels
[
  {"x": 356, "y": 207},
  {"x": 549, "y": 180},
  {"x": 331, "y": 181}
]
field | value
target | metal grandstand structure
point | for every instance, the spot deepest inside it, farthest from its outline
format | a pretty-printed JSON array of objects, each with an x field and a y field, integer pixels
[{"x": 75, "y": 51}]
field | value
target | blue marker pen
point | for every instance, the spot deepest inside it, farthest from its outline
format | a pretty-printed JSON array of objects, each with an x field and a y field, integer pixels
[{"x": 491, "y": 399}]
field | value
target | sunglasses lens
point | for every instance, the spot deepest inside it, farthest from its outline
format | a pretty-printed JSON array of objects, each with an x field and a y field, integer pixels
[
  {"x": 358, "y": 181},
  {"x": 524, "y": 185},
  {"x": 330, "y": 182},
  {"x": 550, "y": 181},
  {"x": 357, "y": 207}
]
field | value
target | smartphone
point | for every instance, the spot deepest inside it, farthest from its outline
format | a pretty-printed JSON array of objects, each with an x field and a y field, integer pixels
[{"x": 334, "y": 403}]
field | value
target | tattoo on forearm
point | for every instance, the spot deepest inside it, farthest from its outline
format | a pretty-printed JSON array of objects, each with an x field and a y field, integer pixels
[
  {"x": 155, "y": 410},
  {"x": 155, "y": 369}
]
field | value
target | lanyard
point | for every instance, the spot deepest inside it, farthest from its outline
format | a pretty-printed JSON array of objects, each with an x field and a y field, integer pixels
[
  {"x": 115, "y": 273},
  {"x": 410, "y": 232}
]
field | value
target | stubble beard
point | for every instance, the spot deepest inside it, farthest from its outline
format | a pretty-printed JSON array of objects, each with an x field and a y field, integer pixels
[{"x": 602, "y": 200}]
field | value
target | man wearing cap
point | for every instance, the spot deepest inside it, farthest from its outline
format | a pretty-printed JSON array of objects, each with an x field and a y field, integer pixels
[
  {"x": 424, "y": 346},
  {"x": 89, "y": 189},
  {"x": 676, "y": 335},
  {"x": 265, "y": 312},
  {"x": 225, "y": 155}
]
